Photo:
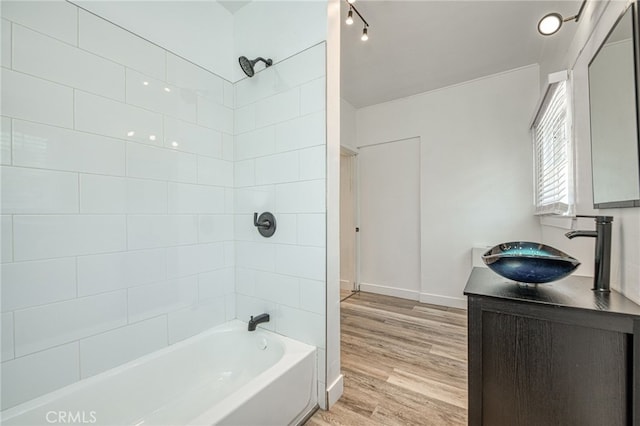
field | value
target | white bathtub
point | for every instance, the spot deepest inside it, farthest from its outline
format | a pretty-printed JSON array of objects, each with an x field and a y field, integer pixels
[{"x": 225, "y": 376}]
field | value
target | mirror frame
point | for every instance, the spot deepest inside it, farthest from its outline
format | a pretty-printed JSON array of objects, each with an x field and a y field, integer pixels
[{"x": 635, "y": 29}]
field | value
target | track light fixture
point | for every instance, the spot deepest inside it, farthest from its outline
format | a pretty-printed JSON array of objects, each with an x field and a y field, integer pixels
[
  {"x": 349, "y": 20},
  {"x": 365, "y": 36},
  {"x": 552, "y": 22}
]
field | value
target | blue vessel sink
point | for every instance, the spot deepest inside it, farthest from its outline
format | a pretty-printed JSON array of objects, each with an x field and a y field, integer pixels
[{"x": 528, "y": 262}]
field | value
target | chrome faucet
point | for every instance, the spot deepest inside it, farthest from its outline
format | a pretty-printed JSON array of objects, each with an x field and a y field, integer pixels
[
  {"x": 257, "y": 320},
  {"x": 602, "y": 234}
]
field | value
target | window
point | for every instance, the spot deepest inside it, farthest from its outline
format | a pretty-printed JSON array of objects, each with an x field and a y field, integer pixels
[{"x": 553, "y": 151}]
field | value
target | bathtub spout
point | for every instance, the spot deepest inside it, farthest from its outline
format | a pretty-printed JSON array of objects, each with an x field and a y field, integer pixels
[{"x": 257, "y": 320}]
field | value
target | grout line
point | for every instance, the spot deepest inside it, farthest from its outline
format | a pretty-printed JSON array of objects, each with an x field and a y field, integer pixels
[
  {"x": 55, "y": 346},
  {"x": 179, "y": 182}
]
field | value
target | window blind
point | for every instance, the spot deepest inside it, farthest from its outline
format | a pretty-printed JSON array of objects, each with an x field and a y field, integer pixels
[{"x": 553, "y": 153}]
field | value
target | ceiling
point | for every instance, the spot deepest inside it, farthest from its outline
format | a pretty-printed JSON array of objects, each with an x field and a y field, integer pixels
[{"x": 418, "y": 46}]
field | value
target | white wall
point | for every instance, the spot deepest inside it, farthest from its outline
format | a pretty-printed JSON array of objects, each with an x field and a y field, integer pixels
[
  {"x": 280, "y": 167},
  {"x": 200, "y": 31},
  {"x": 476, "y": 168},
  {"x": 599, "y": 18},
  {"x": 277, "y": 29},
  {"x": 114, "y": 244},
  {"x": 348, "y": 129}
]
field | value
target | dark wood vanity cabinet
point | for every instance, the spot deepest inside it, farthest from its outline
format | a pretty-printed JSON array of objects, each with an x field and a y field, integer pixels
[{"x": 552, "y": 354}]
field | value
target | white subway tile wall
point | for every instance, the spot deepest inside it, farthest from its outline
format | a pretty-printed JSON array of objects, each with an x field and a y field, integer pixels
[
  {"x": 129, "y": 181},
  {"x": 280, "y": 167},
  {"x": 6, "y": 222},
  {"x": 57, "y": 19},
  {"x": 7, "y": 336},
  {"x": 6, "y": 44},
  {"x": 42, "y": 56},
  {"x": 5, "y": 141},
  {"x": 117, "y": 198},
  {"x": 27, "y": 377},
  {"x": 120, "y": 46},
  {"x": 107, "y": 350},
  {"x": 125, "y": 121}
]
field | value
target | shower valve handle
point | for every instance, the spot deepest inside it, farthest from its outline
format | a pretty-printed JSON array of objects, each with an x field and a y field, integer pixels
[{"x": 264, "y": 224}]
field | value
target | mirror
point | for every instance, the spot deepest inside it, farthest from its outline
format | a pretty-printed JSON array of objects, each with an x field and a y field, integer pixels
[{"x": 613, "y": 95}]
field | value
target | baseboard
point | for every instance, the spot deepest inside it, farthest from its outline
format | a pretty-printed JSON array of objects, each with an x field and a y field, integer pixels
[
  {"x": 435, "y": 299},
  {"x": 390, "y": 291},
  {"x": 334, "y": 392}
]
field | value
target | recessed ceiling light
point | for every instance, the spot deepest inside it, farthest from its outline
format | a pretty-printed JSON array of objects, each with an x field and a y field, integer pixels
[
  {"x": 550, "y": 23},
  {"x": 131, "y": 133}
]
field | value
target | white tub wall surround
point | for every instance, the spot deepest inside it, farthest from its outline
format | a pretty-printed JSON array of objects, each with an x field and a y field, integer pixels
[
  {"x": 280, "y": 168},
  {"x": 129, "y": 181},
  {"x": 202, "y": 32},
  {"x": 117, "y": 198}
]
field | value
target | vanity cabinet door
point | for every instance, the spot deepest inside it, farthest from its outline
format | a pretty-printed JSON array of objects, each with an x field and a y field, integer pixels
[{"x": 537, "y": 372}]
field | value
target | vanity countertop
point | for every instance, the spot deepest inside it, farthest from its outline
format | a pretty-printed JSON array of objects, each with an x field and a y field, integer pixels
[{"x": 571, "y": 292}]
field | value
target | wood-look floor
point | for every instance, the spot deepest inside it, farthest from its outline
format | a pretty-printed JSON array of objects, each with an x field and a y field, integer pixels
[{"x": 404, "y": 363}]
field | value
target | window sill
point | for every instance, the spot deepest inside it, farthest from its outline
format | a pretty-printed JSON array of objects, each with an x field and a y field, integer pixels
[{"x": 562, "y": 222}]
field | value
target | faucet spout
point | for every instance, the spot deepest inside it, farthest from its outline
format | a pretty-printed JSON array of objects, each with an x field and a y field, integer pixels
[
  {"x": 253, "y": 322},
  {"x": 572, "y": 234},
  {"x": 602, "y": 258}
]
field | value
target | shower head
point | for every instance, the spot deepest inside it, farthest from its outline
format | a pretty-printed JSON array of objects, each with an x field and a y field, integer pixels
[{"x": 248, "y": 64}]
